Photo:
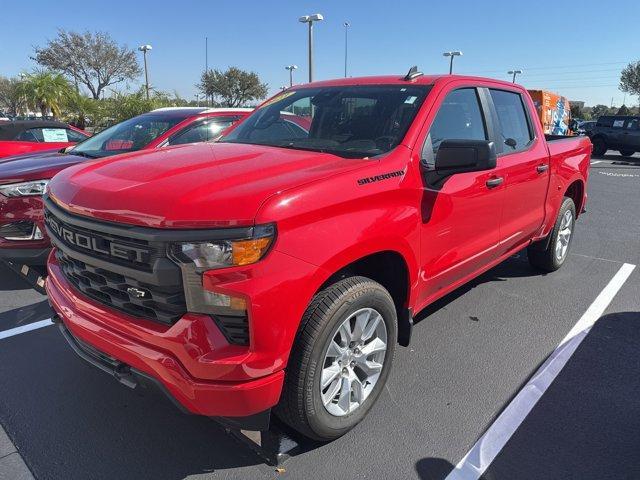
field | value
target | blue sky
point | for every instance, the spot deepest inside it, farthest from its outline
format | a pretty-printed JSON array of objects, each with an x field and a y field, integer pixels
[{"x": 577, "y": 52}]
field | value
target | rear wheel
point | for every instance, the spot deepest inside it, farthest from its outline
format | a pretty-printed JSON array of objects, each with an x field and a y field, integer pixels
[
  {"x": 556, "y": 252},
  {"x": 626, "y": 153},
  {"x": 599, "y": 146},
  {"x": 340, "y": 360}
]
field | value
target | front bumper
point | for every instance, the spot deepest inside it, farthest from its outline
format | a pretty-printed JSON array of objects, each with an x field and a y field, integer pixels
[{"x": 191, "y": 360}]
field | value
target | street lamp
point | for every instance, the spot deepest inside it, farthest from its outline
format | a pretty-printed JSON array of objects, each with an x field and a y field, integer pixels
[
  {"x": 455, "y": 53},
  {"x": 317, "y": 17},
  {"x": 346, "y": 29},
  {"x": 144, "y": 49},
  {"x": 514, "y": 73},
  {"x": 291, "y": 68}
]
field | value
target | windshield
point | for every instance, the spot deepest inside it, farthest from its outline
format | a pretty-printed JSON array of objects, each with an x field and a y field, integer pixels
[
  {"x": 127, "y": 136},
  {"x": 350, "y": 121}
]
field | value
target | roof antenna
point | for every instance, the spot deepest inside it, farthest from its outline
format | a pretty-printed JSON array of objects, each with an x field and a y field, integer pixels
[{"x": 413, "y": 73}]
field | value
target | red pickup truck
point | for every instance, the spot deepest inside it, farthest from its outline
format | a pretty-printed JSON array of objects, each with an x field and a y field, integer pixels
[{"x": 279, "y": 268}]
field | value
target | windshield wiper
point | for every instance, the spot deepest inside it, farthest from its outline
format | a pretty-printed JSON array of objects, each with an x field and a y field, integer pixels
[{"x": 83, "y": 154}]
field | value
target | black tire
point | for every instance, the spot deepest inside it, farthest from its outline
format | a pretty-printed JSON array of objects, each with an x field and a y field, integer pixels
[
  {"x": 301, "y": 405},
  {"x": 599, "y": 146},
  {"x": 546, "y": 259},
  {"x": 626, "y": 153}
]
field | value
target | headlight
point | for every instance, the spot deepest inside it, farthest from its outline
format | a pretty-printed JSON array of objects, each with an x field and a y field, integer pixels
[
  {"x": 225, "y": 253},
  {"x": 195, "y": 258},
  {"x": 24, "y": 189}
]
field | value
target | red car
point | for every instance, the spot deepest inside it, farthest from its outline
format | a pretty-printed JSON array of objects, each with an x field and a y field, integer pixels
[
  {"x": 280, "y": 267},
  {"x": 23, "y": 178},
  {"x": 24, "y": 136}
]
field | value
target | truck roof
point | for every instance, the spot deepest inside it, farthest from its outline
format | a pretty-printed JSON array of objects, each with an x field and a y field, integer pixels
[{"x": 400, "y": 80}]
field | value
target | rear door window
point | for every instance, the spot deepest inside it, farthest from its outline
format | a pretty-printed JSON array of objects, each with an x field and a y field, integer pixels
[
  {"x": 618, "y": 123},
  {"x": 514, "y": 129}
]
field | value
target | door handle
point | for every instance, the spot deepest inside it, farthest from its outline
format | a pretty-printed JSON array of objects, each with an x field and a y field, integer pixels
[
  {"x": 542, "y": 168},
  {"x": 494, "y": 182}
]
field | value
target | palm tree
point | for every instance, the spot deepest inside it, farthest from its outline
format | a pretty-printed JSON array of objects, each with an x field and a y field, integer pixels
[{"x": 46, "y": 91}]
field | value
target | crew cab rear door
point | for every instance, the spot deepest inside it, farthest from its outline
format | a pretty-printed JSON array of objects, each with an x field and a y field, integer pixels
[
  {"x": 524, "y": 160},
  {"x": 460, "y": 216}
]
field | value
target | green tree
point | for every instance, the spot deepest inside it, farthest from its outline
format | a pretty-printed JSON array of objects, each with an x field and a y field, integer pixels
[
  {"x": 630, "y": 79},
  {"x": 46, "y": 91},
  {"x": 598, "y": 111},
  {"x": 576, "y": 112},
  {"x": 232, "y": 88},
  {"x": 623, "y": 110},
  {"x": 11, "y": 97},
  {"x": 94, "y": 60}
]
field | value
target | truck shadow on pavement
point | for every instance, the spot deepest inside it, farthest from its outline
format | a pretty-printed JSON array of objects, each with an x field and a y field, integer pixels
[
  {"x": 514, "y": 267},
  {"x": 586, "y": 424}
]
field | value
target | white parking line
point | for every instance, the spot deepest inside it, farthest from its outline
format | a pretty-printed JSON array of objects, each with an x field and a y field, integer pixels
[
  {"x": 596, "y": 161},
  {"x": 25, "y": 328},
  {"x": 487, "y": 448}
]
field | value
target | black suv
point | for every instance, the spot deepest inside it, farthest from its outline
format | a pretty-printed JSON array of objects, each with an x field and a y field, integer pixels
[{"x": 616, "y": 132}]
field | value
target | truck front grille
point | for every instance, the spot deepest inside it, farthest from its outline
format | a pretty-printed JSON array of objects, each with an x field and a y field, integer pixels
[
  {"x": 162, "y": 304},
  {"x": 129, "y": 270}
]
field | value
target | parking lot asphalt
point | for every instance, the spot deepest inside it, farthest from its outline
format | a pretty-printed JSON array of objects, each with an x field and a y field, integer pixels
[{"x": 470, "y": 354}]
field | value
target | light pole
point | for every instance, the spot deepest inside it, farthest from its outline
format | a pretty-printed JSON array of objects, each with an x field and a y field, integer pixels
[
  {"x": 346, "y": 29},
  {"x": 291, "y": 68},
  {"x": 317, "y": 17},
  {"x": 144, "y": 49},
  {"x": 455, "y": 53},
  {"x": 514, "y": 73},
  {"x": 197, "y": 95}
]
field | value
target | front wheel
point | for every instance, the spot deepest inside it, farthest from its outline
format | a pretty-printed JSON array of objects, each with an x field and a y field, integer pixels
[
  {"x": 626, "y": 153},
  {"x": 340, "y": 360},
  {"x": 555, "y": 253}
]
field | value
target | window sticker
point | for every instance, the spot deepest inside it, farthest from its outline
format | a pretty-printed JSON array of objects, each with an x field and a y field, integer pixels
[
  {"x": 54, "y": 135},
  {"x": 410, "y": 99}
]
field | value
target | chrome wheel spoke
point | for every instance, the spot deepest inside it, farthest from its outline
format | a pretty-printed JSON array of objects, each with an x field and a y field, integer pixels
[
  {"x": 371, "y": 327},
  {"x": 373, "y": 346},
  {"x": 369, "y": 367},
  {"x": 329, "y": 374},
  {"x": 335, "y": 350},
  {"x": 362, "y": 319},
  {"x": 331, "y": 393},
  {"x": 344, "y": 401}
]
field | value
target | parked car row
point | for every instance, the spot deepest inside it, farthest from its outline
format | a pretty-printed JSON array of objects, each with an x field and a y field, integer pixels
[
  {"x": 276, "y": 269},
  {"x": 23, "y": 238}
]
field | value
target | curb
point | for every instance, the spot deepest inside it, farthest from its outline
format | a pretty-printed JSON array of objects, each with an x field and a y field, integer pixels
[{"x": 12, "y": 466}]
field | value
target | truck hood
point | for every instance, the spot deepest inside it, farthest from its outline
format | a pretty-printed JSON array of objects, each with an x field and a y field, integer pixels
[
  {"x": 191, "y": 186},
  {"x": 35, "y": 166}
]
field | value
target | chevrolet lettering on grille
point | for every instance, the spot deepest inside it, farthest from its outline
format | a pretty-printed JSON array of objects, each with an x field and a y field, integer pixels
[{"x": 96, "y": 244}]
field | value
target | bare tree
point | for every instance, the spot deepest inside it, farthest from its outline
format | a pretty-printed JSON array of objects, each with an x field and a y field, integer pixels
[{"x": 94, "y": 60}]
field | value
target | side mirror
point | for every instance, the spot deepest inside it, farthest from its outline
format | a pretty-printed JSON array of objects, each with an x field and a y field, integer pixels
[{"x": 459, "y": 156}]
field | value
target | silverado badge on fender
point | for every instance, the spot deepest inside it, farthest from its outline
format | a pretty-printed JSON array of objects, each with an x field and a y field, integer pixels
[{"x": 377, "y": 178}]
